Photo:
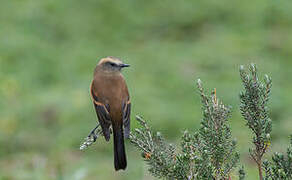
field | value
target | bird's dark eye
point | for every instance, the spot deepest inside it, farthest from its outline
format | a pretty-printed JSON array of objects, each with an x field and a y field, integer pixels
[{"x": 112, "y": 64}]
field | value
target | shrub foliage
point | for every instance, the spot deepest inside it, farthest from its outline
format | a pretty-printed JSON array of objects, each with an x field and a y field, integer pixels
[{"x": 210, "y": 153}]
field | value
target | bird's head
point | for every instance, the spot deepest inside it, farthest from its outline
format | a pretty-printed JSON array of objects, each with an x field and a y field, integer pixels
[{"x": 111, "y": 64}]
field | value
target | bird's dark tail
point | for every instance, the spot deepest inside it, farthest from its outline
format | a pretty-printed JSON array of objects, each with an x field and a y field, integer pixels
[{"x": 119, "y": 148}]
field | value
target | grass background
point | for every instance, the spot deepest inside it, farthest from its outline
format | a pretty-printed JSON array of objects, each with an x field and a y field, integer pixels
[{"x": 49, "y": 48}]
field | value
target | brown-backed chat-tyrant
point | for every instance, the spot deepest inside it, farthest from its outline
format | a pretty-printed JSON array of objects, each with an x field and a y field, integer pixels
[{"x": 111, "y": 100}]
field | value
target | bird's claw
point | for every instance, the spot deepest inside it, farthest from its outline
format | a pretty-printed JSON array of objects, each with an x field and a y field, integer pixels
[{"x": 93, "y": 134}]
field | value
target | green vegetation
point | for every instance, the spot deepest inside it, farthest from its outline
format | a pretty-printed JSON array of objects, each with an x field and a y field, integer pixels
[
  {"x": 280, "y": 165},
  {"x": 49, "y": 48},
  {"x": 254, "y": 108},
  {"x": 209, "y": 153}
]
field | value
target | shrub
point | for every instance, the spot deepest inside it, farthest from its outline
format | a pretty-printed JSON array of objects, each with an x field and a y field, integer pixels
[{"x": 210, "y": 153}]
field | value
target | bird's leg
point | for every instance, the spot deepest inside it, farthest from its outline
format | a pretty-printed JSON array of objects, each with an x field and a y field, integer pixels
[{"x": 92, "y": 133}]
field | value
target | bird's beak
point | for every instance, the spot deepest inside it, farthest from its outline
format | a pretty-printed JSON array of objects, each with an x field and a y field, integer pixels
[{"x": 124, "y": 65}]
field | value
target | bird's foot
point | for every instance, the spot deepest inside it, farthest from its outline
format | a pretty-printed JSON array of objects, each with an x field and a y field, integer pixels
[{"x": 93, "y": 134}]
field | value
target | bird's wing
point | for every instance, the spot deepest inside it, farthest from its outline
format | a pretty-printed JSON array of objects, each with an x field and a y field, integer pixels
[
  {"x": 102, "y": 112},
  {"x": 126, "y": 117}
]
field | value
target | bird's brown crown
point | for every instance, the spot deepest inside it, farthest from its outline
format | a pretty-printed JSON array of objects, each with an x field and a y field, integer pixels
[
  {"x": 110, "y": 65},
  {"x": 110, "y": 59}
]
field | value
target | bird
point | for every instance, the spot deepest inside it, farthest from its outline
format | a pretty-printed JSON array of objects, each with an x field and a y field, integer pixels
[{"x": 110, "y": 96}]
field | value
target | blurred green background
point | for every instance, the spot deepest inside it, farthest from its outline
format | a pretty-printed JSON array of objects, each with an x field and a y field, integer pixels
[{"x": 49, "y": 48}]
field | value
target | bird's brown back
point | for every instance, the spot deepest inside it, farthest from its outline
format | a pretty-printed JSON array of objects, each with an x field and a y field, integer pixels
[{"x": 111, "y": 90}]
